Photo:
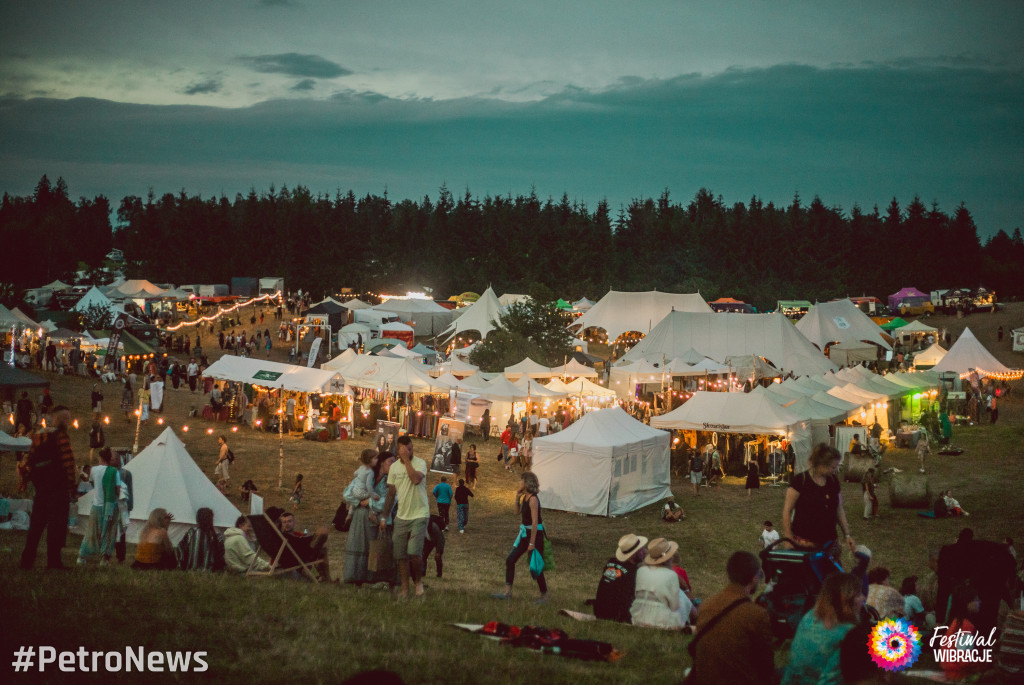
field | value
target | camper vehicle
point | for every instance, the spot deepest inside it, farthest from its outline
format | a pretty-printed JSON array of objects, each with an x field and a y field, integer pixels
[
  {"x": 374, "y": 319},
  {"x": 872, "y": 306}
]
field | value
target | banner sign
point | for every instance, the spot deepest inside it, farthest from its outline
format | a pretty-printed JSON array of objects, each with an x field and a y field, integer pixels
[
  {"x": 314, "y": 350},
  {"x": 266, "y": 375},
  {"x": 448, "y": 431},
  {"x": 115, "y": 339}
]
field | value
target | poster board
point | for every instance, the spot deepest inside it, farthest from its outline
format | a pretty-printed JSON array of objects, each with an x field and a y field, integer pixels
[
  {"x": 448, "y": 431},
  {"x": 387, "y": 437}
]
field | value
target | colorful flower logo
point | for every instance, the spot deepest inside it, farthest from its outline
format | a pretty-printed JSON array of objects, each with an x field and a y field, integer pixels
[{"x": 894, "y": 644}]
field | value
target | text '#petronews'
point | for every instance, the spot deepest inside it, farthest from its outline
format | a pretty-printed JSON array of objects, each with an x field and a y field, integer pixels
[{"x": 85, "y": 661}]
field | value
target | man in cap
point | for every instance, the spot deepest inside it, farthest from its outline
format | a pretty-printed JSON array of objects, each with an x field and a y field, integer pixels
[{"x": 618, "y": 580}]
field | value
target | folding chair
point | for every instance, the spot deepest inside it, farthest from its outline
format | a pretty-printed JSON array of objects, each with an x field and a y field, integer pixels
[{"x": 284, "y": 557}]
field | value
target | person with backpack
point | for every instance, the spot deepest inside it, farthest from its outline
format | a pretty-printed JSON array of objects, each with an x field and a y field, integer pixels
[
  {"x": 696, "y": 472},
  {"x": 50, "y": 467},
  {"x": 97, "y": 440}
]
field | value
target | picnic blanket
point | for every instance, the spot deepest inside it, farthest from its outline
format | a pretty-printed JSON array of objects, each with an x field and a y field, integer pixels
[{"x": 544, "y": 640}]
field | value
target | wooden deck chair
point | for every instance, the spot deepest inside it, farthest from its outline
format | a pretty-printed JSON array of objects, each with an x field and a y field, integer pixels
[{"x": 284, "y": 557}]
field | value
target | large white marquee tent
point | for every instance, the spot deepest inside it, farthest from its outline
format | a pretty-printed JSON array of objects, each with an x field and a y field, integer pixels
[
  {"x": 605, "y": 464},
  {"x": 621, "y": 312},
  {"x": 840, "y": 321}
]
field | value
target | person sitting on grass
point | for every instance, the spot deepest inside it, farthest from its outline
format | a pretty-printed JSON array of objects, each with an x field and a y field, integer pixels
[
  {"x": 814, "y": 654},
  {"x": 248, "y": 487},
  {"x": 658, "y": 602},
  {"x": 239, "y": 554},
  {"x": 617, "y": 588},
  {"x": 882, "y": 596},
  {"x": 202, "y": 548},
  {"x": 672, "y": 512},
  {"x": 155, "y": 551},
  {"x": 953, "y": 507}
]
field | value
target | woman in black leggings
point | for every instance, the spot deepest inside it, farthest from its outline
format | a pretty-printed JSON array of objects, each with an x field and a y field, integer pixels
[{"x": 530, "y": 540}]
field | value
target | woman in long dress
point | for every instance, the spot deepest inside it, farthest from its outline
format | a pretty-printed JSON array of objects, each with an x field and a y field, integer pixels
[
  {"x": 104, "y": 528},
  {"x": 753, "y": 475},
  {"x": 363, "y": 529}
]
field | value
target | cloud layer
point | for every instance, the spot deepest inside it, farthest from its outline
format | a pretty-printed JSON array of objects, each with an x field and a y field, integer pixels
[
  {"x": 851, "y": 135},
  {"x": 294, "y": 64}
]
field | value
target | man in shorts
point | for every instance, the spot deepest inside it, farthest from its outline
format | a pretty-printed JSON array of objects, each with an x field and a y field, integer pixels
[
  {"x": 407, "y": 482},
  {"x": 696, "y": 472}
]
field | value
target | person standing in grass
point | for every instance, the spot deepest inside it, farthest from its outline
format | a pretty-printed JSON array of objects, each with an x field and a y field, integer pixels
[
  {"x": 104, "y": 529},
  {"x": 472, "y": 464},
  {"x": 462, "y": 495},
  {"x": 407, "y": 483},
  {"x": 443, "y": 494},
  {"x": 530, "y": 540}
]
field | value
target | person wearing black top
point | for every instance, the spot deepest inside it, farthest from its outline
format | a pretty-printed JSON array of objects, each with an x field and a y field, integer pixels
[
  {"x": 814, "y": 503},
  {"x": 615, "y": 592}
]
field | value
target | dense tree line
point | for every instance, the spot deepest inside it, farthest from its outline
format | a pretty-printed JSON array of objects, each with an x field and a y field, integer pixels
[{"x": 757, "y": 252}]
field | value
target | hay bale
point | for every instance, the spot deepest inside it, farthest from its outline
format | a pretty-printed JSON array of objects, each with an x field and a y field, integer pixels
[
  {"x": 910, "y": 490},
  {"x": 854, "y": 467}
]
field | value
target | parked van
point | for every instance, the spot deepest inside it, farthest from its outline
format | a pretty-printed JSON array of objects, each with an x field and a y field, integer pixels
[{"x": 374, "y": 319}]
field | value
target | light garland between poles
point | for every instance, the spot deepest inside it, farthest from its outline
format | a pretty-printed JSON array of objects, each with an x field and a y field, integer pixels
[{"x": 222, "y": 312}]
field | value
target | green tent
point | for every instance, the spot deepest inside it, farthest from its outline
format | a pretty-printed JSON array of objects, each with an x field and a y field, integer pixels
[
  {"x": 895, "y": 323},
  {"x": 563, "y": 305}
]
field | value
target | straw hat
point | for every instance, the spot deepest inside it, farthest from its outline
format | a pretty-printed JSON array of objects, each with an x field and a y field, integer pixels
[
  {"x": 629, "y": 545},
  {"x": 659, "y": 551}
]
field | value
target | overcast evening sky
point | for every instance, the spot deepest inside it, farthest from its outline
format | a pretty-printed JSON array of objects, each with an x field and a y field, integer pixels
[{"x": 855, "y": 102}]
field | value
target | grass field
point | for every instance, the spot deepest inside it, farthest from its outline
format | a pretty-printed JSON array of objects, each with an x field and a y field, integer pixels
[{"x": 275, "y": 631}]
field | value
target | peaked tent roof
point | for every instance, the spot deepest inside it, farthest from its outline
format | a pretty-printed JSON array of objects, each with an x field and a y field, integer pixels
[
  {"x": 165, "y": 475},
  {"x": 511, "y": 298},
  {"x": 479, "y": 316},
  {"x": 719, "y": 336},
  {"x": 355, "y": 303},
  {"x": 56, "y": 285},
  {"x": 536, "y": 389},
  {"x": 916, "y": 327},
  {"x": 585, "y": 388},
  {"x": 729, "y": 412},
  {"x": 24, "y": 318},
  {"x": 583, "y": 304},
  {"x": 529, "y": 368},
  {"x": 574, "y": 368},
  {"x": 903, "y": 294},
  {"x": 270, "y": 374},
  {"x": 893, "y": 324},
  {"x": 341, "y": 361},
  {"x": 605, "y": 427},
  {"x": 175, "y": 294},
  {"x": 839, "y": 321},
  {"x": 13, "y": 377},
  {"x": 501, "y": 389},
  {"x": 620, "y": 312},
  {"x": 968, "y": 353},
  {"x": 931, "y": 356},
  {"x": 136, "y": 288},
  {"x": 810, "y": 408},
  {"x": 97, "y": 298},
  {"x": 327, "y": 306}
]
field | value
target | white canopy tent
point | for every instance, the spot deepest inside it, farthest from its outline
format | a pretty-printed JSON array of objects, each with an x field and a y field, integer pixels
[
  {"x": 165, "y": 475},
  {"x": 605, "y": 464},
  {"x": 720, "y": 336},
  {"x": 428, "y": 317},
  {"x": 270, "y": 374},
  {"x": 479, "y": 316},
  {"x": 840, "y": 321},
  {"x": 96, "y": 298},
  {"x": 528, "y": 368},
  {"x": 574, "y": 369},
  {"x": 738, "y": 412},
  {"x": 621, "y": 312},
  {"x": 968, "y": 353},
  {"x": 581, "y": 387},
  {"x": 929, "y": 357}
]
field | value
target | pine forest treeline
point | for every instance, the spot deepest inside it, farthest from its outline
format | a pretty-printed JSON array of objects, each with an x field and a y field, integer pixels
[{"x": 757, "y": 252}]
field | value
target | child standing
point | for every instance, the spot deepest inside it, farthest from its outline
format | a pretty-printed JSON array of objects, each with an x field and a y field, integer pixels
[
  {"x": 462, "y": 495},
  {"x": 297, "y": 491},
  {"x": 769, "y": 535},
  {"x": 362, "y": 481},
  {"x": 443, "y": 494}
]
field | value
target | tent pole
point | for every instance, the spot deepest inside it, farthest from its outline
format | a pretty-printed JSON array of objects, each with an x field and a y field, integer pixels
[{"x": 280, "y": 434}]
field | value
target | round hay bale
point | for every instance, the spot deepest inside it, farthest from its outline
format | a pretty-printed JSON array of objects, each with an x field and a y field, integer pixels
[
  {"x": 855, "y": 467},
  {"x": 909, "y": 490}
]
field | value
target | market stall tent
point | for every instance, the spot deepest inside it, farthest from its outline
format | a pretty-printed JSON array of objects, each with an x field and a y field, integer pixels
[
  {"x": 528, "y": 368},
  {"x": 165, "y": 475},
  {"x": 738, "y": 412},
  {"x": 428, "y": 317},
  {"x": 270, "y": 374},
  {"x": 605, "y": 464}
]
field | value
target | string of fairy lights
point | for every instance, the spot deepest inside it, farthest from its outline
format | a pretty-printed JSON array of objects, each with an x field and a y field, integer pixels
[{"x": 222, "y": 311}]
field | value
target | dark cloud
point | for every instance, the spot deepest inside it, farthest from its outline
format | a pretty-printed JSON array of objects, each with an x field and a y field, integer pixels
[
  {"x": 849, "y": 135},
  {"x": 208, "y": 86},
  {"x": 294, "y": 64},
  {"x": 305, "y": 84},
  {"x": 278, "y": 3}
]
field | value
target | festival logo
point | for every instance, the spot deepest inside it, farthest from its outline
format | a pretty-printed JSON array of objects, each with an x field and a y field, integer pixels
[{"x": 894, "y": 644}]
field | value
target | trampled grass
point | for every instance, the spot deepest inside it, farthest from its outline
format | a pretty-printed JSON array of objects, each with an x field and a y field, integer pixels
[{"x": 260, "y": 630}]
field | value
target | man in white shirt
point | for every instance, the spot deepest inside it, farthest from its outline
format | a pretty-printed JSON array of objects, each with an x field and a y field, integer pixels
[
  {"x": 407, "y": 482},
  {"x": 193, "y": 374},
  {"x": 769, "y": 535},
  {"x": 543, "y": 425}
]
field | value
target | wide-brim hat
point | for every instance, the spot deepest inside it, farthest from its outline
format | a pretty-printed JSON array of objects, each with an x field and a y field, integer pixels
[
  {"x": 659, "y": 551},
  {"x": 629, "y": 545}
]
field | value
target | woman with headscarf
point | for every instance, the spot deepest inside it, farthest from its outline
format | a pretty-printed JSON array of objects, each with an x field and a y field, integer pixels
[{"x": 104, "y": 528}]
